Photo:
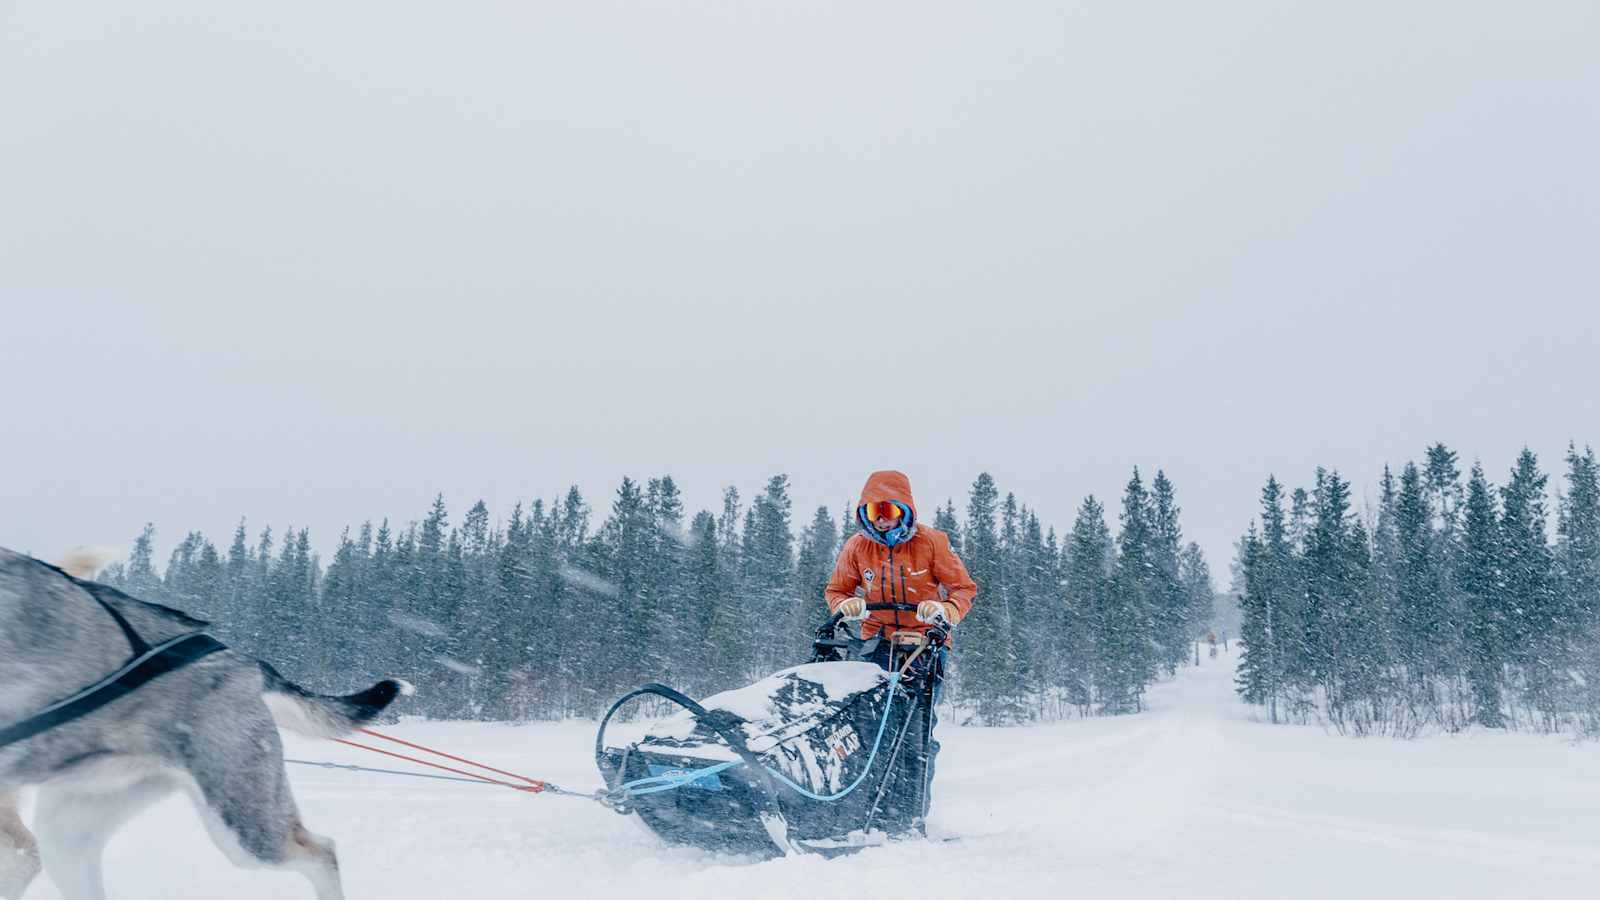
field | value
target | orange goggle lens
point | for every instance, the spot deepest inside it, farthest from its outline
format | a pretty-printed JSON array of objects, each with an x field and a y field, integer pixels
[{"x": 886, "y": 510}]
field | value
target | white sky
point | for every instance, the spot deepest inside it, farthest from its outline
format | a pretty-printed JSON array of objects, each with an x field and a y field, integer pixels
[{"x": 311, "y": 263}]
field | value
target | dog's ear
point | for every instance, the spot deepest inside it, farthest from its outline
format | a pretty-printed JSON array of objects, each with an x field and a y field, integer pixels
[{"x": 85, "y": 563}]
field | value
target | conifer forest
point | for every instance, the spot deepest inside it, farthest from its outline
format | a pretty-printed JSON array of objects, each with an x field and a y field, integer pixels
[
  {"x": 557, "y": 608},
  {"x": 1453, "y": 602},
  {"x": 1448, "y": 605}
]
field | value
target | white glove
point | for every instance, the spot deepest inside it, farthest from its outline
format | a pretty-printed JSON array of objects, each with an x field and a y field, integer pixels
[
  {"x": 929, "y": 610},
  {"x": 853, "y": 609}
]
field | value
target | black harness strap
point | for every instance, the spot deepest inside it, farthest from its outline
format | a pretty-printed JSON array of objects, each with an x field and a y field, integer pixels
[
  {"x": 147, "y": 664},
  {"x": 134, "y": 640}
]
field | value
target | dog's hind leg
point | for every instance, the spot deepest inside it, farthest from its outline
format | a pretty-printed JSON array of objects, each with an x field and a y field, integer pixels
[
  {"x": 243, "y": 797},
  {"x": 19, "y": 852},
  {"x": 75, "y": 820}
]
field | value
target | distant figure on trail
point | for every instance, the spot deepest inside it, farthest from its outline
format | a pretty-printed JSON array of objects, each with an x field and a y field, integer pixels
[
  {"x": 1211, "y": 638},
  {"x": 896, "y": 559}
]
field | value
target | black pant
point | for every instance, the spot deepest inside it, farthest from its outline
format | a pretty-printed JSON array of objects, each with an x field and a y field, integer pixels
[{"x": 883, "y": 655}]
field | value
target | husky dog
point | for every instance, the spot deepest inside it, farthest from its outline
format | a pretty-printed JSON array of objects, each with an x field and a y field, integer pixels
[{"x": 206, "y": 729}]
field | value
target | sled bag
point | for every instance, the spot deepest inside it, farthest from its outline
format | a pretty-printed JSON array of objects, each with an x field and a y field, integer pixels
[{"x": 814, "y": 725}]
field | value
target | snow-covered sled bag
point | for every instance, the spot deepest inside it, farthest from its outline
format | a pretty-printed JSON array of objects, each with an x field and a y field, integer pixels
[{"x": 821, "y": 757}]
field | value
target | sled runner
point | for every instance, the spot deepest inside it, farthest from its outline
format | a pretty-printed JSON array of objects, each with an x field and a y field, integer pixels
[{"x": 824, "y": 757}]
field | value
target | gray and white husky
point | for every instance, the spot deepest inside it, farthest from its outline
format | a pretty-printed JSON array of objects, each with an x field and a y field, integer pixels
[{"x": 208, "y": 729}]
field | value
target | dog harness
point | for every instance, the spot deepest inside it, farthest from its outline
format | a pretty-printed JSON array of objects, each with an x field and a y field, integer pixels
[{"x": 147, "y": 663}]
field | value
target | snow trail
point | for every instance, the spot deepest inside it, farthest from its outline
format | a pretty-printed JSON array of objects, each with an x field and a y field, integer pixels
[{"x": 1192, "y": 798}]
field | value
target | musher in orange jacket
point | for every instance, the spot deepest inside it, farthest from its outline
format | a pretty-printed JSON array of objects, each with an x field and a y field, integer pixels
[{"x": 896, "y": 559}]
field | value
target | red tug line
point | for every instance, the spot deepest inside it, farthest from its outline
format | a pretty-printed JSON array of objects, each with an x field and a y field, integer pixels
[{"x": 532, "y": 785}]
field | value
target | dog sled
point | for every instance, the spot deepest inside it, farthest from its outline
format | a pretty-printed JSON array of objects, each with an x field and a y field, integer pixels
[{"x": 825, "y": 757}]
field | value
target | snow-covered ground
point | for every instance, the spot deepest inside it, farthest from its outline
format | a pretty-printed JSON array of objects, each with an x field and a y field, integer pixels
[{"x": 1192, "y": 799}]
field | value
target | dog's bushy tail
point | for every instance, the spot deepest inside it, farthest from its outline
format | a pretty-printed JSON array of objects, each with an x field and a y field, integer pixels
[{"x": 319, "y": 715}]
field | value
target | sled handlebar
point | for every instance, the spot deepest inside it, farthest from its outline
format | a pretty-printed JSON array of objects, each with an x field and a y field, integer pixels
[
  {"x": 828, "y": 643},
  {"x": 834, "y": 620}
]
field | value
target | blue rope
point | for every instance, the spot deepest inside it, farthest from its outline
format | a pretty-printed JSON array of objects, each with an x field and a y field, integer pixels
[{"x": 659, "y": 783}]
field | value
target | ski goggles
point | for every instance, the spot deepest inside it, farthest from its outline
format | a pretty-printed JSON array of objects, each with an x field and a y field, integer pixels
[{"x": 888, "y": 509}]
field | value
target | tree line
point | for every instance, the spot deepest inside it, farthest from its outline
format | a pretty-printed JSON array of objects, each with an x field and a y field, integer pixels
[
  {"x": 1451, "y": 607},
  {"x": 550, "y": 614}
]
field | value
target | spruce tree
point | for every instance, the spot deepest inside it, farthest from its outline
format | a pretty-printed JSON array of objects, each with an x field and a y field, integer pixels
[
  {"x": 770, "y": 574},
  {"x": 1526, "y": 566},
  {"x": 1483, "y": 597},
  {"x": 1169, "y": 602},
  {"x": 1088, "y": 577},
  {"x": 813, "y": 568},
  {"x": 1578, "y": 556},
  {"x": 141, "y": 579},
  {"x": 1124, "y": 649},
  {"x": 1338, "y": 641},
  {"x": 668, "y": 566},
  {"x": 1200, "y": 594},
  {"x": 984, "y": 630},
  {"x": 1253, "y": 674},
  {"x": 709, "y": 608},
  {"x": 944, "y": 519},
  {"x": 1419, "y": 593},
  {"x": 1270, "y": 606},
  {"x": 1386, "y": 565},
  {"x": 630, "y": 614}
]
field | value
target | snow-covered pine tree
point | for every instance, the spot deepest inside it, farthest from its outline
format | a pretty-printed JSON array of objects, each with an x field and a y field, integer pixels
[
  {"x": 666, "y": 579},
  {"x": 814, "y": 566},
  {"x": 549, "y": 690},
  {"x": 1200, "y": 594},
  {"x": 1268, "y": 605},
  {"x": 237, "y": 579},
  {"x": 509, "y": 629},
  {"x": 1419, "y": 609},
  {"x": 1578, "y": 555},
  {"x": 1526, "y": 565},
  {"x": 1087, "y": 580},
  {"x": 1005, "y": 596},
  {"x": 1386, "y": 564},
  {"x": 1442, "y": 480},
  {"x": 1169, "y": 603},
  {"x": 1011, "y": 656},
  {"x": 770, "y": 573},
  {"x": 981, "y": 676},
  {"x": 1125, "y": 652},
  {"x": 1337, "y": 622},
  {"x": 707, "y": 611},
  {"x": 340, "y": 597},
  {"x": 944, "y": 519},
  {"x": 429, "y": 613},
  {"x": 141, "y": 579},
  {"x": 1483, "y": 601},
  {"x": 1320, "y": 564},
  {"x": 1037, "y": 602},
  {"x": 622, "y": 557}
]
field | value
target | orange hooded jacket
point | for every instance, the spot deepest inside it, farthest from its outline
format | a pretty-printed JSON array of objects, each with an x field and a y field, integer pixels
[{"x": 920, "y": 566}]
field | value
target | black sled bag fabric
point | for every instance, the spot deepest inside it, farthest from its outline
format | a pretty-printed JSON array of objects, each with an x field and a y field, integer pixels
[{"x": 814, "y": 725}]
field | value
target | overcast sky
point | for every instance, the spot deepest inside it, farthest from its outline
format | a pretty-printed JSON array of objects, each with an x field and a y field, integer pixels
[{"x": 311, "y": 263}]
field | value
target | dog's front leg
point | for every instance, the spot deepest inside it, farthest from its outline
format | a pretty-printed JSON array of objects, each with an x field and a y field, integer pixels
[
  {"x": 75, "y": 819},
  {"x": 19, "y": 852}
]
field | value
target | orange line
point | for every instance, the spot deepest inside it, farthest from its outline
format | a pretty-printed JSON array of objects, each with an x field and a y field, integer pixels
[
  {"x": 533, "y": 781},
  {"x": 533, "y": 788}
]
